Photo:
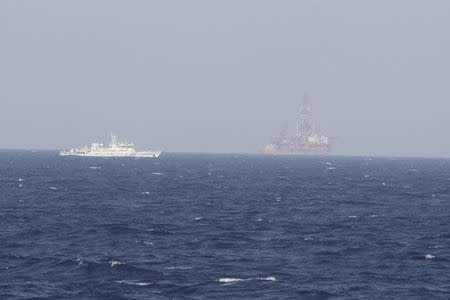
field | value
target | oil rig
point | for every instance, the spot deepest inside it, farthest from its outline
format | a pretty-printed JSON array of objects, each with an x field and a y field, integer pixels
[{"x": 306, "y": 140}]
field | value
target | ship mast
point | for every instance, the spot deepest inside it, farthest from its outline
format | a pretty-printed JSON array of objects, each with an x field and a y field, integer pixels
[{"x": 113, "y": 139}]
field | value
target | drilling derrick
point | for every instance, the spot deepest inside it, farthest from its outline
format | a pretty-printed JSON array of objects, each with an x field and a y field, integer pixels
[
  {"x": 305, "y": 141},
  {"x": 305, "y": 127}
]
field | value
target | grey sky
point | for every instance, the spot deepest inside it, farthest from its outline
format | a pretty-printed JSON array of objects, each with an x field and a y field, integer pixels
[{"x": 223, "y": 76}]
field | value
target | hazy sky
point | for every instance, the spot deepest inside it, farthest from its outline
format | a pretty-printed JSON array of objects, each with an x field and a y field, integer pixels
[{"x": 224, "y": 76}]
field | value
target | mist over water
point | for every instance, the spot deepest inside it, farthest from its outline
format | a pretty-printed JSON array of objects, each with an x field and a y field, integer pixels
[{"x": 204, "y": 76}]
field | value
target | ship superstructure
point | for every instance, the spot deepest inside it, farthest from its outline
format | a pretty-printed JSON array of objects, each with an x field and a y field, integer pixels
[
  {"x": 115, "y": 149},
  {"x": 306, "y": 140}
]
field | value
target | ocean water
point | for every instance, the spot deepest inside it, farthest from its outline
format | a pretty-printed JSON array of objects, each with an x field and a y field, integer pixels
[{"x": 195, "y": 226}]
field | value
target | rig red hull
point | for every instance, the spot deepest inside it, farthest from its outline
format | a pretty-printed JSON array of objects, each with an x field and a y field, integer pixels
[{"x": 297, "y": 150}]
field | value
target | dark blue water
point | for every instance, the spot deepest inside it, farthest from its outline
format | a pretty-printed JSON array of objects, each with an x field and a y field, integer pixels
[{"x": 217, "y": 226}]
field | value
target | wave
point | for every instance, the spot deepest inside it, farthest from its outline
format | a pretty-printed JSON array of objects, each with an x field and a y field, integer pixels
[
  {"x": 178, "y": 268},
  {"x": 115, "y": 263},
  {"x": 234, "y": 280},
  {"x": 133, "y": 283}
]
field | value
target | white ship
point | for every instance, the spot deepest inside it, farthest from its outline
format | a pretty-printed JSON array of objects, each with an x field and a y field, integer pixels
[{"x": 115, "y": 149}]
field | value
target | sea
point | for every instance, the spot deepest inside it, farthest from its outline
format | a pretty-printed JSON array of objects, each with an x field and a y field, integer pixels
[{"x": 223, "y": 226}]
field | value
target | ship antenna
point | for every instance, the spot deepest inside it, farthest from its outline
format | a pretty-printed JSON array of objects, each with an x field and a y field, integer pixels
[{"x": 113, "y": 139}]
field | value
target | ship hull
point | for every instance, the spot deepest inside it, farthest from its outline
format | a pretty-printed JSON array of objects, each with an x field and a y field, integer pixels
[
  {"x": 151, "y": 154},
  {"x": 297, "y": 150},
  {"x": 292, "y": 153},
  {"x": 115, "y": 149}
]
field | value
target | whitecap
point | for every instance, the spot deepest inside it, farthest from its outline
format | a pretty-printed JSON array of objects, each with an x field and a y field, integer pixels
[
  {"x": 20, "y": 185},
  {"x": 145, "y": 193},
  {"x": 270, "y": 278},
  {"x": 384, "y": 183},
  {"x": 156, "y": 173},
  {"x": 435, "y": 247},
  {"x": 308, "y": 239},
  {"x": 21, "y": 179},
  {"x": 352, "y": 216},
  {"x": 331, "y": 168},
  {"x": 429, "y": 256},
  {"x": 179, "y": 268},
  {"x": 328, "y": 163},
  {"x": 259, "y": 220},
  {"x": 278, "y": 198},
  {"x": 197, "y": 218},
  {"x": 52, "y": 188},
  {"x": 141, "y": 283},
  {"x": 232, "y": 280},
  {"x": 148, "y": 243},
  {"x": 133, "y": 283},
  {"x": 95, "y": 168},
  {"x": 373, "y": 216},
  {"x": 115, "y": 263}
]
